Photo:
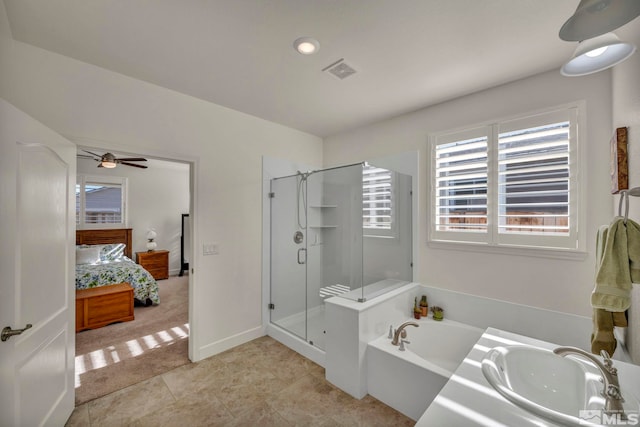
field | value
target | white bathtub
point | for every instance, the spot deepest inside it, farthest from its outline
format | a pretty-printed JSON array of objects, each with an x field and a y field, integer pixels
[{"x": 408, "y": 381}]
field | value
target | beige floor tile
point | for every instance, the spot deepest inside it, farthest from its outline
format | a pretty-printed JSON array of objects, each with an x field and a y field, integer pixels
[
  {"x": 370, "y": 412},
  {"x": 191, "y": 379},
  {"x": 238, "y": 399},
  {"x": 260, "y": 383},
  {"x": 259, "y": 415},
  {"x": 310, "y": 401},
  {"x": 193, "y": 412},
  {"x": 126, "y": 405},
  {"x": 291, "y": 368},
  {"x": 79, "y": 417}
]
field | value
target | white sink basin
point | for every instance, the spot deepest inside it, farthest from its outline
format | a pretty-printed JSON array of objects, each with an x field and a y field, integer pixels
[{"x": 553, "y": 387}]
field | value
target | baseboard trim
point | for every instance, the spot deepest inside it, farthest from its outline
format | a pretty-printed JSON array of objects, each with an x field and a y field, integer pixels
[{"x": 229, "y": 342}]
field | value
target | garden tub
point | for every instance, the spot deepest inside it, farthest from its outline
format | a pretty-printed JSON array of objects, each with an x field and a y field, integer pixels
[{"x": 409, "y": 380}]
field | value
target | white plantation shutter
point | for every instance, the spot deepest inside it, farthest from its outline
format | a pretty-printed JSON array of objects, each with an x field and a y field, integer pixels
[
  {"x": 460, "y": 185},
  {"x": 377, "y": 200},
  {"x": 537, "y": 166},
  {"x": 517, "y": 185},
  {"x": 534, "y": 180}
]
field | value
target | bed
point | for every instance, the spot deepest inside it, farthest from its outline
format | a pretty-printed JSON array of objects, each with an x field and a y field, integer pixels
[{"x": 103, "y": 257}]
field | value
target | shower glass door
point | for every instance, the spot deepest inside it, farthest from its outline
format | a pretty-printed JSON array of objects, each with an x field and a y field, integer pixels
[
  {"x": 288, "y": 255},
  {"x": 316, "y": 247}
]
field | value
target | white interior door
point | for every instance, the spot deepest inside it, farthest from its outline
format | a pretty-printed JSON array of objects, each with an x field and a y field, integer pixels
[{"x": 37, "y": 171}]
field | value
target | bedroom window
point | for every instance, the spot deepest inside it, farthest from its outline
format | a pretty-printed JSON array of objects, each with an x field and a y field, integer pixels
[
  {"x": 509, "y": 183},
  {"x": 100, "y": 202},
  {"x": 377, "y": 202}
]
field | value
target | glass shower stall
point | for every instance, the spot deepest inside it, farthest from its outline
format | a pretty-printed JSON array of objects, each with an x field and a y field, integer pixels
[{"x": 340, "y": 232}]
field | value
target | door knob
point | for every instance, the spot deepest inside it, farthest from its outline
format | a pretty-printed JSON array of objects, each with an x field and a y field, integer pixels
[{"x": 8, "y": 332}]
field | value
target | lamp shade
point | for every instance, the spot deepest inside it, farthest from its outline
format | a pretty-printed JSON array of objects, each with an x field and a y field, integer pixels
[
  {"x": 597, "y": 54},
  {"x": 151, "y": 244},
  {"x": 593, "y": 18}
]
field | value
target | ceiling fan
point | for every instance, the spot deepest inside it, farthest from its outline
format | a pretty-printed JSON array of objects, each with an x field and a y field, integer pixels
[{"x": 108, "y": 160}]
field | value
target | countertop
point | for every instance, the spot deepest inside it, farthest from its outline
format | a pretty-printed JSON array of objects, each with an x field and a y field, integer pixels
[{"x": 468, "y": 399}]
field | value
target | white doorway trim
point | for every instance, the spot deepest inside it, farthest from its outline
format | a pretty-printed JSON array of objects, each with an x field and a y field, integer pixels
[{"x": 193, "y": 162}]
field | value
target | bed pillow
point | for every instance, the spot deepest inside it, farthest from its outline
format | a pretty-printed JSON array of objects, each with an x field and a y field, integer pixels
[
  {"x": 112, "y": 252},
  {"x": 88, "y": 255}
]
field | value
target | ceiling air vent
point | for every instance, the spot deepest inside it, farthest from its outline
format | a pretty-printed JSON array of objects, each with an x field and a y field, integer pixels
[{"x": 340, "y": 69}]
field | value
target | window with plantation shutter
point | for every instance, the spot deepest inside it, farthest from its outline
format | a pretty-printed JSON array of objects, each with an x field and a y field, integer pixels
[
  {"x": 377, "y": 201},
  {"x": 511, "y": 183}
]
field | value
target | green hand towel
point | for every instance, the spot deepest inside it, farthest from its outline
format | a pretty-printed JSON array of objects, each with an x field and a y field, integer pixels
[
  {"x": 602, "y": 337},
  {"x": 613, "y": 279},
  {"x": 633, "y": 245}
]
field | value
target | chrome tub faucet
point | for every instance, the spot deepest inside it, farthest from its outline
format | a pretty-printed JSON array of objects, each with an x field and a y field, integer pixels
[
  {"x": 401, "y": 333},
  {"x": 611, "y": 391}
]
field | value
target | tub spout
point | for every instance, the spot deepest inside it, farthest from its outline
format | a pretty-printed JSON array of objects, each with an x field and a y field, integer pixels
[{"x": 401, "y": 333}]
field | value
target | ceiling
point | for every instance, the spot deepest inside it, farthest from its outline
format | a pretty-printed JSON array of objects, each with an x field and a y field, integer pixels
[{"x": 408, "y": 54}]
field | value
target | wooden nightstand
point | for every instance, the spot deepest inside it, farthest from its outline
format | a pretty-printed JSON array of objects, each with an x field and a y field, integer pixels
[{"x": 155, "y": 262}]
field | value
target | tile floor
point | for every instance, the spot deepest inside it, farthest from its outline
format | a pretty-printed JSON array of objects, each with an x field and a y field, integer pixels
[{"x": 260, "y": 383}]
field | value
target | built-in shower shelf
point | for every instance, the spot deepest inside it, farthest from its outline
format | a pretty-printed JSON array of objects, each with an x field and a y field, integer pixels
[{"x": 323, "y": 206}]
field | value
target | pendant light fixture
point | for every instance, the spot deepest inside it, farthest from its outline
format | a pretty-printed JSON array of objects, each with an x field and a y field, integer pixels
[
  {"x": 593, "y": 18},
  {"x": 597, "y": 54},
  {"x": 591, "y": 25}
]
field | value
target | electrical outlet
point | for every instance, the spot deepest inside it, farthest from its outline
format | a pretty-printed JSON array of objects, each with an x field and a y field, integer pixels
[{"x": 210, "y": 249}]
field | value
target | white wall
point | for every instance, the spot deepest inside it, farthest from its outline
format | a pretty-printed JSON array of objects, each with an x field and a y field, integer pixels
[
  {"x": 557, "y": 284},
  {"x": 626, "y": 112},
  {"x": 226, "y": 147},
  {"x": 157, "y": 198}
]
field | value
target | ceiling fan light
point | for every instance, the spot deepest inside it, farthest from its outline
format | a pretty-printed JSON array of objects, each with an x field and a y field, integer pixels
[
  {"x": 596, "y": 17},
  {"x": 108, "y": 161},
  {"x": 597, "y": 54},
  {"x": 108, "y": 164}
]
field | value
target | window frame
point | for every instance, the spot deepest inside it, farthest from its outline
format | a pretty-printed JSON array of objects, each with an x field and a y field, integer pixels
[
  {"x": 573, "y": 246},
  {"x": 82, "y": 180}
]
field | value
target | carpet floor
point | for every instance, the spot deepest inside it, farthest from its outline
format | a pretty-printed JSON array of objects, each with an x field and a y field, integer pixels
[{"x": 122, "y": 354}]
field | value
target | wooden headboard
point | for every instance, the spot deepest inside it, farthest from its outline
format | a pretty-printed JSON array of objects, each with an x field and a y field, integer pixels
[{"x": 105, "y": 236}]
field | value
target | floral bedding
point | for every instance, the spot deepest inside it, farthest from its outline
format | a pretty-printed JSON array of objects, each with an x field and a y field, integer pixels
[{"x": 120, "y": 270}]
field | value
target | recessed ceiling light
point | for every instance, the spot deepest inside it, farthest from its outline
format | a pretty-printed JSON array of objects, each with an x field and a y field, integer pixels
[{"x": 306, "y": 45}]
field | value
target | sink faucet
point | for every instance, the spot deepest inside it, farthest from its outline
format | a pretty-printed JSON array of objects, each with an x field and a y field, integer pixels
[
  {"x": 611, "y": 392},
  {"x": 401, "y": 333}
]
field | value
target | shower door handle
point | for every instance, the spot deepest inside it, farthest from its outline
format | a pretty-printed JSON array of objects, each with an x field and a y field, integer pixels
[{"x": 302, "y": 260}]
